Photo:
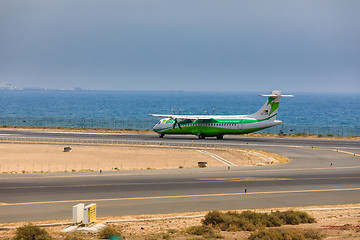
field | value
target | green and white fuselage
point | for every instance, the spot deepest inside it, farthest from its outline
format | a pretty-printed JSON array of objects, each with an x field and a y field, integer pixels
[{"x": 218, "y": 125}]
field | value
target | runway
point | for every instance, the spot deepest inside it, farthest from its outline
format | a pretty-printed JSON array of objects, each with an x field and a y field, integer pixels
[
  {"x": 227, "y": 141},
  {"x": 321, "y": 172}
]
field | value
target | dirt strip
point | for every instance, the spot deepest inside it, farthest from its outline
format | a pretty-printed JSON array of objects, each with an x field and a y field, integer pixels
[{"x": 27, "y": 158}]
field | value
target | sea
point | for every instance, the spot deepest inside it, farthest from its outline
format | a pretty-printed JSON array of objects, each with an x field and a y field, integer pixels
[{"x": 305, "y": 109}]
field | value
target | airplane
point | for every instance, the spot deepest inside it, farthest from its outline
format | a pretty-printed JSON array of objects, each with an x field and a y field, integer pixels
[{"x": 220, "y": 125}]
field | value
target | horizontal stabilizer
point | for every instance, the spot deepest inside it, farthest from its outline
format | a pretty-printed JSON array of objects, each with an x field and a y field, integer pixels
[
  {"x": 273, "y": 95},
  {"x": 270, "y": 108}
]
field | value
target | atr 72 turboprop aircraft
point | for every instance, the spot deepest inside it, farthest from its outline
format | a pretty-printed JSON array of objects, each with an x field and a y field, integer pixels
[{"x": 219, "y": 125}]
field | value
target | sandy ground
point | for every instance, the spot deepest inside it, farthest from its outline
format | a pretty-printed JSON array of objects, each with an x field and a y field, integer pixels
[
  {"x": 343, "y": 223},
  {"x": 24, "y": 158}
]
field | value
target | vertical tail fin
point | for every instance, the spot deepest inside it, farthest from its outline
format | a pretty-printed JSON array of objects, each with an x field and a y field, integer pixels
[{"x": 270, "y": 108}]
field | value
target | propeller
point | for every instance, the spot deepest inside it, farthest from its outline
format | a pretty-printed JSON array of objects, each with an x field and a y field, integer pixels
[
  {"x": 174, "y": 111},
  {"x": 176, "y": 122}
]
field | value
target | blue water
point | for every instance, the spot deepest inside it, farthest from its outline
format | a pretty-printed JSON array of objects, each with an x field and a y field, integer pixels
[{"x": 303, "y": 109}]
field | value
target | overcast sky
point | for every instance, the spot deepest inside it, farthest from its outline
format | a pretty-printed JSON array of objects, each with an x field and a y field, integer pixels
[{"x": 181, "y": 45}]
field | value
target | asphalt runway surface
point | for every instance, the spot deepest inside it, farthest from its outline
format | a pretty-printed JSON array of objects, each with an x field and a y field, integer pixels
[{"x": 321, "y": 172}]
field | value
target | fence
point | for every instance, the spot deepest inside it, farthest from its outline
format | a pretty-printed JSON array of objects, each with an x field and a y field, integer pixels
[
  {"x": 59, "y": 122},
  {"x": 78, "y": 122},
  {"x": 339, "y": 131},
  {"x": 109, "y": 142}
]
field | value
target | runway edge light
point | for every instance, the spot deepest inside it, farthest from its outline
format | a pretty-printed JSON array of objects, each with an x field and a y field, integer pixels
[
  {"x": 90, "y": 213},
  {"x": 78, "y": 213}
]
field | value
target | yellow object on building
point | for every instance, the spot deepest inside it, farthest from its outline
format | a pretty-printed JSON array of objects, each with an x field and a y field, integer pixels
[{"x": 90, "y": 213}]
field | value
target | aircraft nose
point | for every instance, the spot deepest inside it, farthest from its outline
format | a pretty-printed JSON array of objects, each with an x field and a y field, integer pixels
[{"x": 278, "y": 122}]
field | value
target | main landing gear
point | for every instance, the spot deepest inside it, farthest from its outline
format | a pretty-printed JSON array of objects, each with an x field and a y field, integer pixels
[
  {"x": 201, "y": 136},
  {"x": 161, "y": 135}
]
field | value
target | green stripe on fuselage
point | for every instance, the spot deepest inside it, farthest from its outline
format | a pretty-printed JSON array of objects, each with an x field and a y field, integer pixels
[
  {"x": 206, "y": 130},
  {"x": 211, "y": 127}
]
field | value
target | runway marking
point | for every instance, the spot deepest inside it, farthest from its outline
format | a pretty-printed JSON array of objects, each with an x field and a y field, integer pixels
[
  {"x": 253, "y": 179},
  {"x": 86, "y": 133},
  {"x": 98, "y": 185},
  {"x": 243, "y": 179},
  {"x": 304, "y": 147},
  {"x": 220, "y": 159},
  {"x": 265, "y": 158},
  {"x": 180, "y": 196},
  {"x": 177, "y": 173},
  {"x": 327, "y": 149},
  {"x": 199, "y": 180},
  {"x": 350, "y": 153}
]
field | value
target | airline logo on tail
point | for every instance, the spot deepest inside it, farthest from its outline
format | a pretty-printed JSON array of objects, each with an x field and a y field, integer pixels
[
  {"x": 274, "y": 105},
  {"x": 265, "y": 112}
]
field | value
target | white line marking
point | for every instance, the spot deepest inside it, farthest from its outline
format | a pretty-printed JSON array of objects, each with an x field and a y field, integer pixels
[
  {"x": 220, "y": 159},
  {"x": 267, "y": 159},
  {"x": 90, "y": 133}
]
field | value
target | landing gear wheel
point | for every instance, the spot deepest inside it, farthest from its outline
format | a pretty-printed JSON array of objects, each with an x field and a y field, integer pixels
[
  {"x": 161, "y": 135},
  {"x": 219, "y": 137},
  {"x": 201, "y": 136}
]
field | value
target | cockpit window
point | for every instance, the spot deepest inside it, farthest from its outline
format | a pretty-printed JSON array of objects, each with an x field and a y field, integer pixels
[{"x": 159, "y": 122}]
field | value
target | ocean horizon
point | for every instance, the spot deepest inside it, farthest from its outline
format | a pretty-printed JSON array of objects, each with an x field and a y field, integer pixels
[{"x": 318, "y": 109}]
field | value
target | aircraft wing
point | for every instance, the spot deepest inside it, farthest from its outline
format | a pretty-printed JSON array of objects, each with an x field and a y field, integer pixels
[{"x": 182, "y": 117}]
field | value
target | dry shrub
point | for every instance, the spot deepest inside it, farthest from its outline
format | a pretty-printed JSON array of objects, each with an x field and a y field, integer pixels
[
  {"x": 110, "y": 233},
  {"x": 204, "y": 231},
  {"x": 31, "y": 232},
  {"x": 250, "y": 221},
  {"x": 294, "y": 217},
  {"x": 285, "y": 234},
  {"x": 246, "y": 221}
]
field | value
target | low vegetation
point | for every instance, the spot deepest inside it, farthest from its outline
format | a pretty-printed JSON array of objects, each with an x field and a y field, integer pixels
[
  {"x": 294, "y": 217},
  {"x": 250, "y": 221},
  {"x": 285, "y": 234},
  {"x": 110, "y": 233},
  {"x": 232, "y": 221},
  {"x": 31, "y": 232},
  {"x": 213, "y": 225},
  {"x": 204, "y": 231}
]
